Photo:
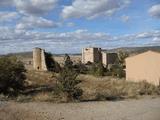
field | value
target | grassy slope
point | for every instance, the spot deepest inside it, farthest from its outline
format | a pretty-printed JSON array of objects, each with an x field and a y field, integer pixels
[{"x": 95, "y": 88}]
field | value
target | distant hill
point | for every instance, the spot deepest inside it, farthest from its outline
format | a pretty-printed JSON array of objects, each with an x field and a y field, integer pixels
[
  {"x": 29, "y": 54},
  {"x": 130, "y": 50},
  {"x": 136, "y": 50},
  {"x": 21, "y": 54}
]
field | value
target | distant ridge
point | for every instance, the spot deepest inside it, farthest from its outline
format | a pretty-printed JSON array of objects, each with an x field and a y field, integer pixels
[
  {"x": 136, "y": 50},
  {"x": 130, "y": 50},
  {"x": 29, "y": 54}
]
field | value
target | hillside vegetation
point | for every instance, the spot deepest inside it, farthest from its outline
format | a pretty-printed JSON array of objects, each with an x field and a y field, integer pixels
[{"x": 72, "y": 82}]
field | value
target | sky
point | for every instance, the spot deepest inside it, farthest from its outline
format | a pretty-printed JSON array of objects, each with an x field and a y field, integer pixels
[{"x": 66, "y": 26}]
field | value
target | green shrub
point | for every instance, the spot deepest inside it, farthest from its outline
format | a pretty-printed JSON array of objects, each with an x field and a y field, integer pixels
[
  {"x": 97, "y": 69},
  {"x": 81, "y": 68},
  {"x": 121, "y": 57},
  {"x": 11, "y": 75},
  {"x": 67, "y": 82},
  {"x": 118, "y": 71},
  {"x": 68, "y": 62},
  {"x": 100, "y": 69}
]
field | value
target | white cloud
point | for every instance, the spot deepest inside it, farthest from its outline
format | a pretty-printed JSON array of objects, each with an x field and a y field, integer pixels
[
  {"x": 148, "y": 35},
  {"x": 140, "y": 36},
  {"x": 6, "y": 3},
  {"x": 30, "y": 22},
  {"x": 70, "y": 24},
  {"x": 8, "y": 16},
  {"x": 12, "y": 40},
  {"x": 154, "y": 11},
  {"x": 125, "y": 18},
  {"x": 29, "y": 13},
  {"x": 156, "y": 39},
  {"x": 35, "y": 7},
  {"x": 93, "y": 8}
]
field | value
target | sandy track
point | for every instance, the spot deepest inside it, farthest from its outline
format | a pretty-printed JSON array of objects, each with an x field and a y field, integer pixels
[{"x": 143, "y": 109}]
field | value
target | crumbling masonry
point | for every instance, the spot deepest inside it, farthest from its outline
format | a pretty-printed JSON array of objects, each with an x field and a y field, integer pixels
[
  {"x": 91, "y": 55},
  {"x": 39, "y": 61},
  {"x": 95, "y": 55}
]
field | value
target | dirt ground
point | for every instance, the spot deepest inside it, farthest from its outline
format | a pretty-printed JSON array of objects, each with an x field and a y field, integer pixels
[{"x": 142, "y": 109}]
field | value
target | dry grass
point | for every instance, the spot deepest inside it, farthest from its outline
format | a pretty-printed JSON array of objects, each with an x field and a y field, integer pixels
[
  {"x": 108, "y": 88},
  {"x": 39, "y": 77},
  {"x": 94, "y": 88}
]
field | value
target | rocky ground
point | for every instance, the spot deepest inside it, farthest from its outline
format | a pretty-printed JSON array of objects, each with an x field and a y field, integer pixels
[{"x": 142, "y": 109}]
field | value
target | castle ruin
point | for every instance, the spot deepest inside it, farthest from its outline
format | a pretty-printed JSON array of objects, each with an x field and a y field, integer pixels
[
  {"x": 91, "y": 55},
  {"x": 109, "y": 58},
  {"x": 39, "y": 61},
  {"x": 95, "y": 55}
]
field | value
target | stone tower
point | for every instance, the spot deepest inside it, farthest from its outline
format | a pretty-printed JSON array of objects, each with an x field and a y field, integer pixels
[
  {"x": 39, "y": 61},
  {"x": 91, "y": 55},
  {"x": 109, "y": 58}
]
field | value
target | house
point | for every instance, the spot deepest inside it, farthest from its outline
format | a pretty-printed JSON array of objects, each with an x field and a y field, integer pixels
[{"x": 144, "y": 66}]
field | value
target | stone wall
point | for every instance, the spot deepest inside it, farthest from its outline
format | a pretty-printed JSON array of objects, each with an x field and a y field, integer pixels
[
  {"x": 109, "y": 58},
  {"x": 91, "y": 55},
  {"x": 97, "y": 55},
  {"x": 43, "y": 60},
  {"x": 39, "y": 62}
]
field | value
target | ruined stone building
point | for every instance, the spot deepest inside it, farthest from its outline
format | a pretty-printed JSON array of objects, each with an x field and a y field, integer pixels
[
  {"x": 91, "y": 55},
  {"x": 144, "y": 66},
  {"x": 97, "y": 55},
  {"x": 39, "y": 61},
  {"x": 109, "y": 58}
]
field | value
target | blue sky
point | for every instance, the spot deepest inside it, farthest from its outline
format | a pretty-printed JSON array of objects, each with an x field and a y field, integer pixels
[{"x": 66, "y": 26}]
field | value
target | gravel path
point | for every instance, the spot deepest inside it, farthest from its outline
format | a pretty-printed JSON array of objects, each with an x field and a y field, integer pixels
[{"x": 143, "y": 109}]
